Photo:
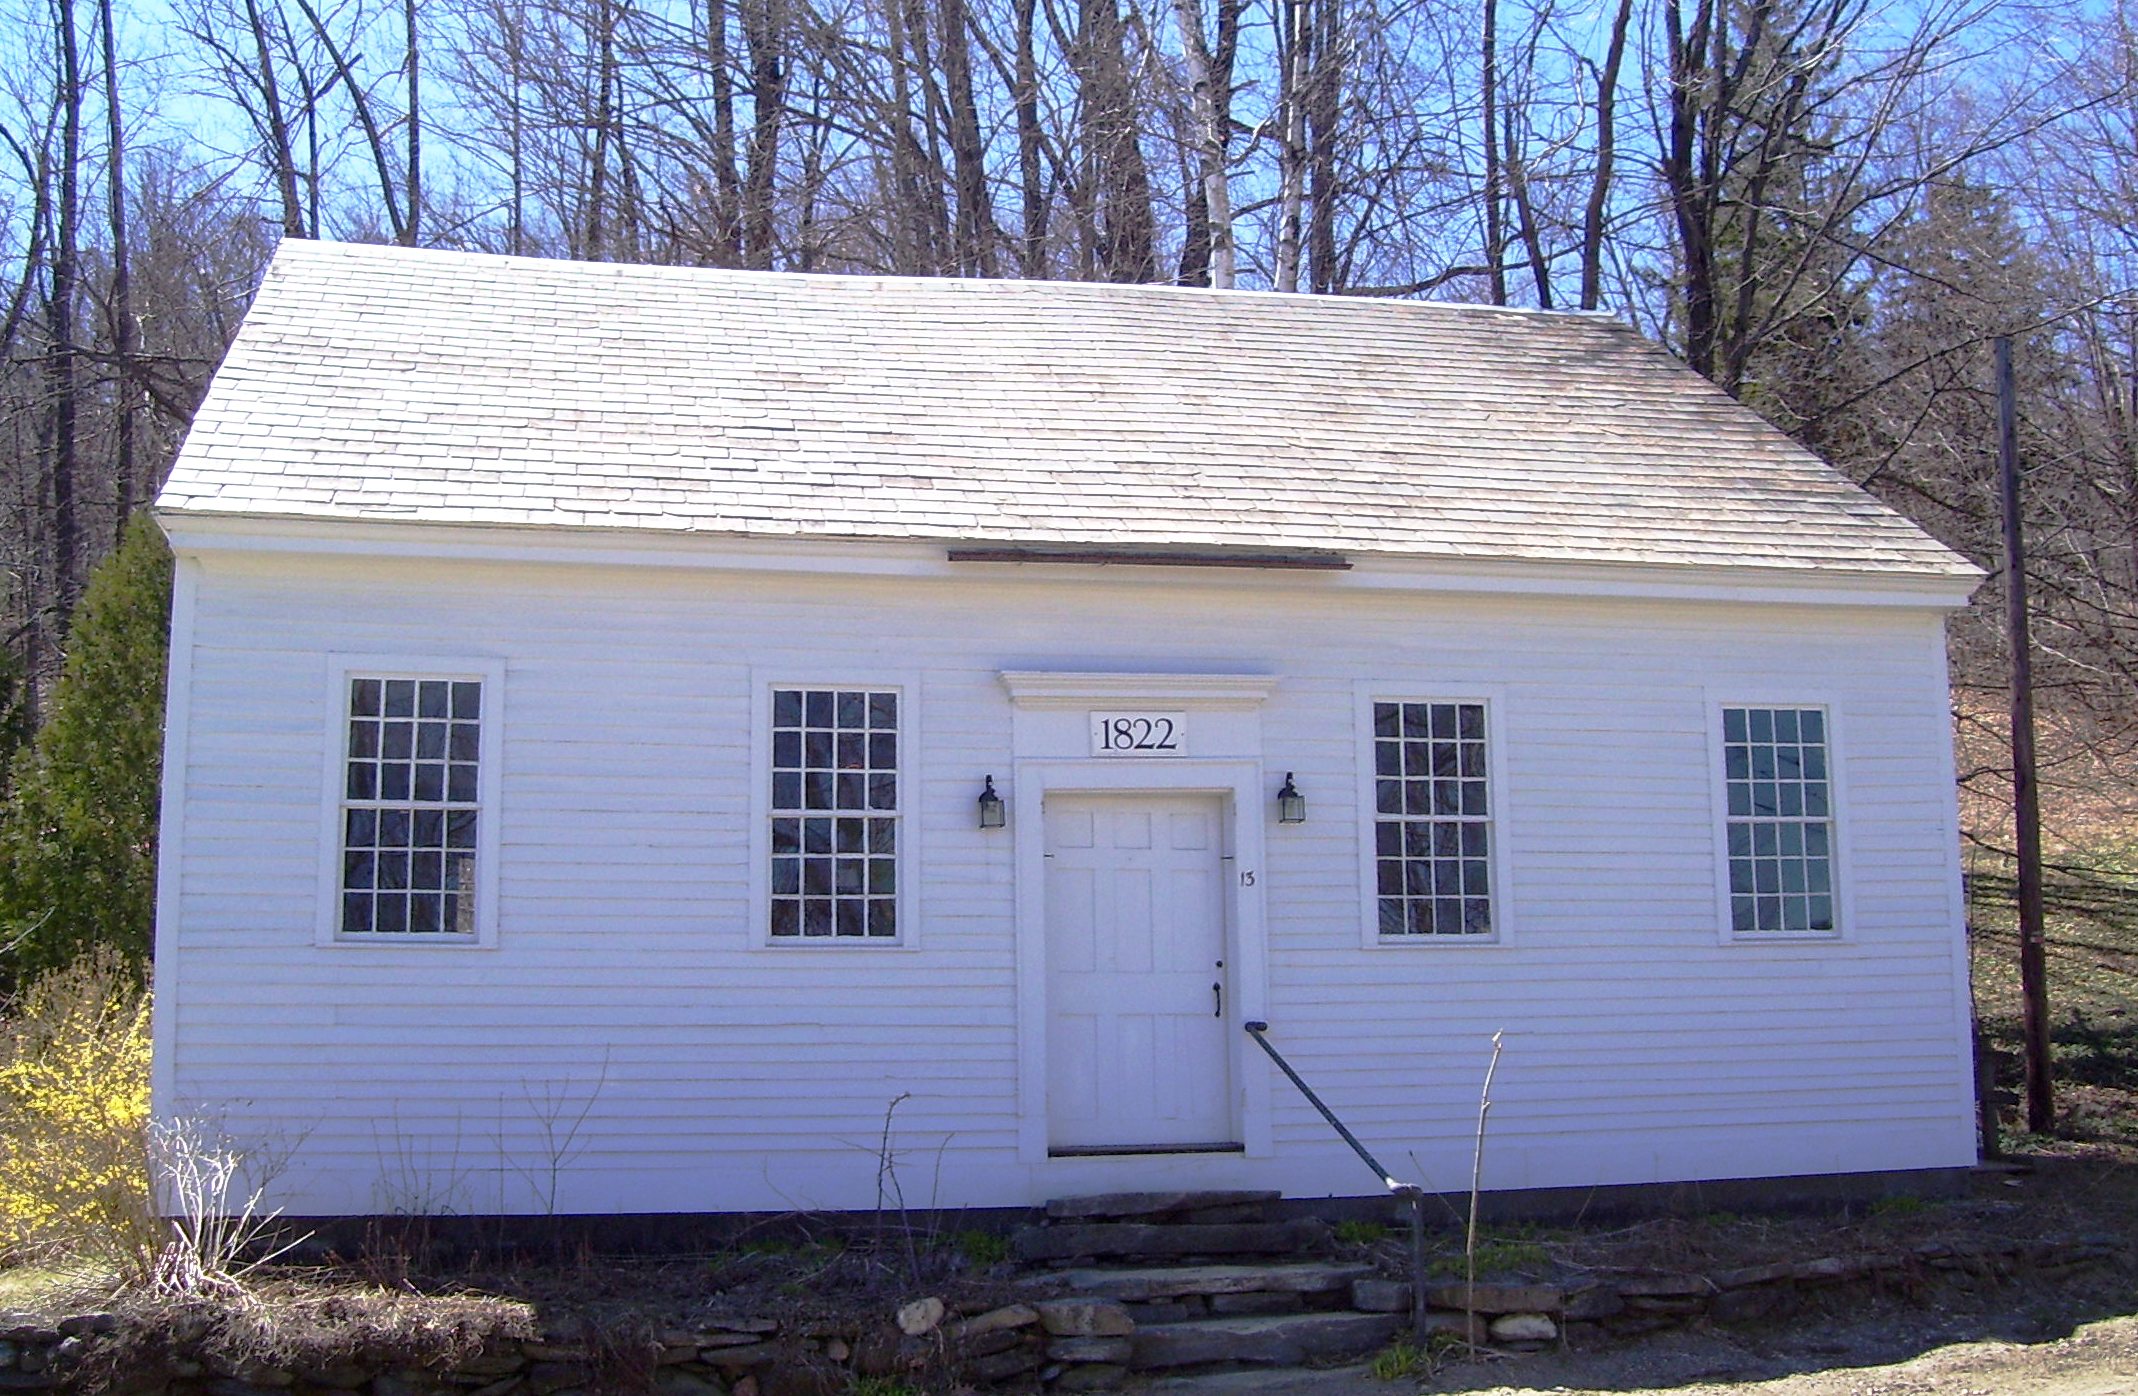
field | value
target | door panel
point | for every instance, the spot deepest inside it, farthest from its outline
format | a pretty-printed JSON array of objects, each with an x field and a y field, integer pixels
[{"x": 1136, "y": 1045}]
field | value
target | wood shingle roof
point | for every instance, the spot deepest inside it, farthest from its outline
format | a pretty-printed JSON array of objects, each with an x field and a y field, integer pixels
[{"x": 373, "y": 383}]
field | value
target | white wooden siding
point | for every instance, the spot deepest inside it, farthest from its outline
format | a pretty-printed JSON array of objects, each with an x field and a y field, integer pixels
[{"x": 628, "y": 985}]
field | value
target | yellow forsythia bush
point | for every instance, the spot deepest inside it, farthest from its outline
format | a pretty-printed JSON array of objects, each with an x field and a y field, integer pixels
[{"x": 74, "y": 1086}]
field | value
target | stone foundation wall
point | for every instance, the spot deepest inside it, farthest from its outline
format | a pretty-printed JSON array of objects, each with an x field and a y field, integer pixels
[{"x": 1066, "y": 1343}]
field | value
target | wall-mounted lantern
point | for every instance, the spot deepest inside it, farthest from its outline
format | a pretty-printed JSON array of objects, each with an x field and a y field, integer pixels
[
  {"x": 993, "y": 812},
  {"x": 1291, "y": 805}
]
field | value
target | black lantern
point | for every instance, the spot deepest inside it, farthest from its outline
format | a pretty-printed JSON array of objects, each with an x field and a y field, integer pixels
[
  {"x": 1291, "y": 805},
  {"x": 993, "y": 813}
]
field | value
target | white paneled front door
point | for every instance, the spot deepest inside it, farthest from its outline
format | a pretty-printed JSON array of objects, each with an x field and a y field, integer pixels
[{"x": 1137, "y": 993}]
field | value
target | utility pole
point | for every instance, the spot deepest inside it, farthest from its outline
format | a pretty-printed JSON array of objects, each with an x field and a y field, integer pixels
[{"x": 2026, "y": 796}]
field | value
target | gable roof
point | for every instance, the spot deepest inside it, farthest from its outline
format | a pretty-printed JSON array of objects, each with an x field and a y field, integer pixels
[{"x": 374, "y": 383}]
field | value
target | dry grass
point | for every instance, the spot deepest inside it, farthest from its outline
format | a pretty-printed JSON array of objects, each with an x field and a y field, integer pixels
[
  {"x": 309, "y": 1320},
  {"x": 2090, "y": 886}
]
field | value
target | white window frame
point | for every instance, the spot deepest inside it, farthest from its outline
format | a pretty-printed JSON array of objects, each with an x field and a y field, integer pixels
[
  {"x": 1496, "y": 821},
  {"x": 341, "y": 669},
  {"x": 906, "y": 685},
  {"x": 1838, "y": 808}
]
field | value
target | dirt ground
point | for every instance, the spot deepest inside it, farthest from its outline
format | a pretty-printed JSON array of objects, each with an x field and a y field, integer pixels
[
  {"x": 2074, "y": 1334},
  {"x": 2095, "y": 1359}
]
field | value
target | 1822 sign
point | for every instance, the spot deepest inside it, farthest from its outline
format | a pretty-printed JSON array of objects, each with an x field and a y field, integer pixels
[{"x": 1139, "y": 734}]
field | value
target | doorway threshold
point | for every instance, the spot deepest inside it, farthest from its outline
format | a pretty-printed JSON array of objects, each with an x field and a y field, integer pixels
[{"x": 1116, "y": 1150}]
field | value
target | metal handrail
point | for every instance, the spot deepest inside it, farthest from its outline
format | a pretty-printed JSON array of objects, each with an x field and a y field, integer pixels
[{"x": 1409, "y": 1192}]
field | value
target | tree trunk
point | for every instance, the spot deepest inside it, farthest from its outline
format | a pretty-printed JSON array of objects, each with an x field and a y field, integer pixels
[
  {"x": 765, "y": 34},
  {"x": 126, "y": 393},
  {"x": 280, "y": 158},
  {"x": 727, "y": 174},
  {"x": 1206, "y": 252},
  {"x": 62, "y": 391},
  {"x": 1495, "y": 231},
  {"x": 516, "y": 55},
  {"x": 1592, "y": 218},
  {"x": 1293, "y": 77},
  {"x": 374, "y": 138},
  {"x": 411, "y": 228},
  {"x": 595, "y": 239},
  {"x": 1684, "y": 176},
  {"x": 1323, "y": 107},
  {"x": 1119, "y": 186},
  {"x": 968, "y": 153},
  {"x": 1526, "y": 220},
  {"x": 1030, "y": 180}
]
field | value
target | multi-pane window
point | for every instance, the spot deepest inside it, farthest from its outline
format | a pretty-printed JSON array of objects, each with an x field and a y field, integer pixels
[
  {"x": 834, "y": 814},
  {"x": 1780, "y": 820},
  {"x": 410, "y": 806},
  {"x": 1432, "y": 821}
]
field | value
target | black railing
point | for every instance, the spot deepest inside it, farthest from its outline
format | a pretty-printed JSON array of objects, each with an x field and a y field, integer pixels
[{"x": 1409, "y": 1192}]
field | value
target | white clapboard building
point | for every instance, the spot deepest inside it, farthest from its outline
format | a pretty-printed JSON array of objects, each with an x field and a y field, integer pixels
[{"x": 635, "y": 731}]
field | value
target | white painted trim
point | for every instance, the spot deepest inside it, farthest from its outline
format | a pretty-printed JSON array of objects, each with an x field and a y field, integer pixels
[
  {"x": 1838, "y": 812},
  {"x": 1241, "y": 784},
  {"x": 1494, "y": 698},
  {"x": 171, "y": 844},
  {"x": 907, "y": 684},
  {"x": 616, "y": 545},
  {"x": 489, "y": 786},
  {"x": 1043, "y": 688},
  {"x": 1939, "y": 685}
]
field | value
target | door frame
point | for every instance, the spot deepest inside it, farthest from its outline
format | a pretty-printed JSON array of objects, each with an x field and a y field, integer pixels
[{"x": 1242, "y": 819}]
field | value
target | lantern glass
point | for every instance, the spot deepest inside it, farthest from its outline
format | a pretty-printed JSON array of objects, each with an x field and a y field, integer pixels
[
  {"x": 994, "y": 813},
  {"x": 1291, "y": 805}
]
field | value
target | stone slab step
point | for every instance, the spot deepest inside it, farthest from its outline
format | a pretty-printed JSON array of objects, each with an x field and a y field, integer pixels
[
  {"x": 1146, "y": 1241},
  {"x": 1171, "y": 1282},
  {"x": 1113, "y": 1206},
  {"x": 1275, "y": 1340}
]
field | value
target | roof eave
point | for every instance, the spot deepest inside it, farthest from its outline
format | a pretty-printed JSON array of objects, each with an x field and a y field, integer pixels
[{"x": 203, "y": 531}]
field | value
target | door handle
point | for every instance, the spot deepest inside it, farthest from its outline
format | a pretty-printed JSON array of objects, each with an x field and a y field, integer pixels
[{"x": 1217, "y": 991}]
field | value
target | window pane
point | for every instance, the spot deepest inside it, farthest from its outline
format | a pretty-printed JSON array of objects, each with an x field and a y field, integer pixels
[
  {"x": 834, "y": 751},
  {"x": 1431, "y": 831},
  {"x": 408, "y": 860},
  {"x": 1778, "y": 819}
]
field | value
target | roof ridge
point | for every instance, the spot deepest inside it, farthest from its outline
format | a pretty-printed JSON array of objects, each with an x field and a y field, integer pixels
[{"x": 947, "y": 284}]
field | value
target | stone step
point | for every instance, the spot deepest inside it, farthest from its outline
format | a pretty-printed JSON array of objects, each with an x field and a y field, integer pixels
[
  {"x": 1149, "y": 1241},
  {"x": 1114, "y": 1206},
  {"x": 1173, "y": 1282},
  {"x": 1277, "y": 1340}
]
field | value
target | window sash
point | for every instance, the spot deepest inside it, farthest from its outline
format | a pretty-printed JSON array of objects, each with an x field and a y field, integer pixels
[
  {"x": 409, "y": 816},
  {"x": 1779, "y": 821},
  {"x": 1432, "y": 820},
  {"x": 834, "y": 817}
]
